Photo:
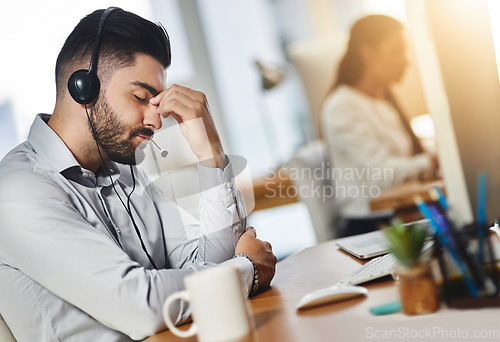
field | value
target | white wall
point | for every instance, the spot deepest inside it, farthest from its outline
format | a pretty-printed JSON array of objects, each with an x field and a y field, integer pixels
[{"x": 31, "y": 35}]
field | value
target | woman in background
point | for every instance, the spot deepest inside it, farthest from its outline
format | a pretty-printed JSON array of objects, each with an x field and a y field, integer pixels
[{"x": 370, "y": 142}]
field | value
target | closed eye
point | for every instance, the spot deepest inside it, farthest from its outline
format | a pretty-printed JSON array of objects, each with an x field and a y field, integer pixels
[{"x": 140, "y": 99}]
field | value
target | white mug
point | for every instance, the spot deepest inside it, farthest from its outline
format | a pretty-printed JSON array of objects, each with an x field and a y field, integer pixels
[{"x": 219, "y": 308}]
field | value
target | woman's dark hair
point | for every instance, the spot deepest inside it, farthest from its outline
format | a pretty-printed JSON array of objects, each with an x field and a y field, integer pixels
[
  {"x": 124, "y": 35},
  {"x": 367, "y": 31}
]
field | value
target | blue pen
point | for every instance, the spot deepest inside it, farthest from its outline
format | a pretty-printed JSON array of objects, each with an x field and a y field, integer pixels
[
  {"x": 471, "y": 286},
  {"x": 440, "y": 221},
  {"x": 481, "y": 212},
  {"x": 442, "y": 200}
]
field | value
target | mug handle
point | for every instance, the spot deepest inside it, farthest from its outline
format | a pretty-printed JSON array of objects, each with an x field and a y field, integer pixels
[{"x": 184, "y": 295}]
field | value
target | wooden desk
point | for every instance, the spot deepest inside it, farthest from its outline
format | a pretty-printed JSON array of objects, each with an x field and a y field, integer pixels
[
  {"x": 273, "y": 190},
  {"x": 401, "y": 196},
  {"x": 276, "y": 319}
]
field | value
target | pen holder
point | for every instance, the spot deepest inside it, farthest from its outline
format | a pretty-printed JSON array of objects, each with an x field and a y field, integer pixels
[{"x": 469, "y": 280}]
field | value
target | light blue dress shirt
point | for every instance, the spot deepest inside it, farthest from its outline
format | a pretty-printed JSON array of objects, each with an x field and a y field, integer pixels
[{"x": 71, "y": 264}]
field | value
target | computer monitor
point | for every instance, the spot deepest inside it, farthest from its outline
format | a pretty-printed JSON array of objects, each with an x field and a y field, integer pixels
[{"x": 455, "y": 56}]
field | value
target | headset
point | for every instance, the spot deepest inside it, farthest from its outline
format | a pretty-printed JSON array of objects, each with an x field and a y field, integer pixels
[
  {"x": 83, "y": 84},
  {"x": 84, "y": 87}
]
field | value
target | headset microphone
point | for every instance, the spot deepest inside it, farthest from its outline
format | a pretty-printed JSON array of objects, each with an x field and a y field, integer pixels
[{"x": 163, "y": 152}]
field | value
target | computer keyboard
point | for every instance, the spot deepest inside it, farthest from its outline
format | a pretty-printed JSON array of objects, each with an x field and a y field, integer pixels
[
  {"x": 379, "y": 267},
  {"x": 376, "y": 268}
]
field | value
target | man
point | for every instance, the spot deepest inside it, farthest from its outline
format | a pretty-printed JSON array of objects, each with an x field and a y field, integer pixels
[{"x": 89, "y": 250}]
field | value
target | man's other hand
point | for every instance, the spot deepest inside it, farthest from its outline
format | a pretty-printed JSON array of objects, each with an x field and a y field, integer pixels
[{"x": 261, "y": 254}]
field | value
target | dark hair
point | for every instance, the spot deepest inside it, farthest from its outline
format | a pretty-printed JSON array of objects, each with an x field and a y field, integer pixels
[
  {"x": 124, "y": 35},
  {"x": 367, "y": 31}
]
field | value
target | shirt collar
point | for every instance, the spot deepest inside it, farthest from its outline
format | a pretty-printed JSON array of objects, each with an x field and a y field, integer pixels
[
  {"x": 48, "y": 144},
  {"x": 51, "y": 147}
]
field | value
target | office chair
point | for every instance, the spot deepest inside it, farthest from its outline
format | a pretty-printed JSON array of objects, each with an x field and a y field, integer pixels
[{"x": 308, "y": 166}]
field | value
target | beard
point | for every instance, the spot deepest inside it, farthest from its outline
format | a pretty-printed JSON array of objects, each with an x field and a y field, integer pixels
[{"x": 113, "y": 137}]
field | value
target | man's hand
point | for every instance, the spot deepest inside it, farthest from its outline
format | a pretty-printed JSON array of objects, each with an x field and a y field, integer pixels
[
  {"x": 190, "y": 109},
  {"x": 261, "y": 254}
]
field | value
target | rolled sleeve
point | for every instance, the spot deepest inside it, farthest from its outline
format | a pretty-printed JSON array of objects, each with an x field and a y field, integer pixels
[{"x": 222, "y": 212}]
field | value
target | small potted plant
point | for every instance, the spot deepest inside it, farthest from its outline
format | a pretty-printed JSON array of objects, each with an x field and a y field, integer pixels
[{"x": 417, "y": 287}]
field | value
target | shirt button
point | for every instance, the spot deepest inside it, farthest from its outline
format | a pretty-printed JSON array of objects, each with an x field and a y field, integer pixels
[
  {"x": 237, "y": 227},
  {"x": 229, "y": 184},
  {"x": 86, "y": 175}
]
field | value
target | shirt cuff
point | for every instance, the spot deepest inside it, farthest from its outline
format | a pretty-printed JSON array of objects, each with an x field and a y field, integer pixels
[
  {"x": 245, "y": 270},
  {"x": 217, "y": 184}
]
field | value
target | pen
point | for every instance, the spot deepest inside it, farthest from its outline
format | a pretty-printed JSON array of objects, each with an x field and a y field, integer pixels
[
  {"x": 471, "y": 286},
  {"x": 481, "y": 212},
  {"x": 441, "y": 222},
  {"x": 437, "y": 195}
]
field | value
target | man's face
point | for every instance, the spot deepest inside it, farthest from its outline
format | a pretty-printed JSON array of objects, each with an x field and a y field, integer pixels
[{"x": 123, "y": 119}]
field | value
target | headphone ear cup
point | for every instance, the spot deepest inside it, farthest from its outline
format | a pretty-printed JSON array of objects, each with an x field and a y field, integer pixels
[{"x": 84, "y": 86}]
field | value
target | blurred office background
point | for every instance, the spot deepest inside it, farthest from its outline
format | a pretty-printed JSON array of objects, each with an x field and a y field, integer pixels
[{"x": 217, "y": 48}]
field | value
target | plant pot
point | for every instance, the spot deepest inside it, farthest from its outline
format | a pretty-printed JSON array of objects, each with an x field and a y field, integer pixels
[{"x": 417, "y": 290}]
